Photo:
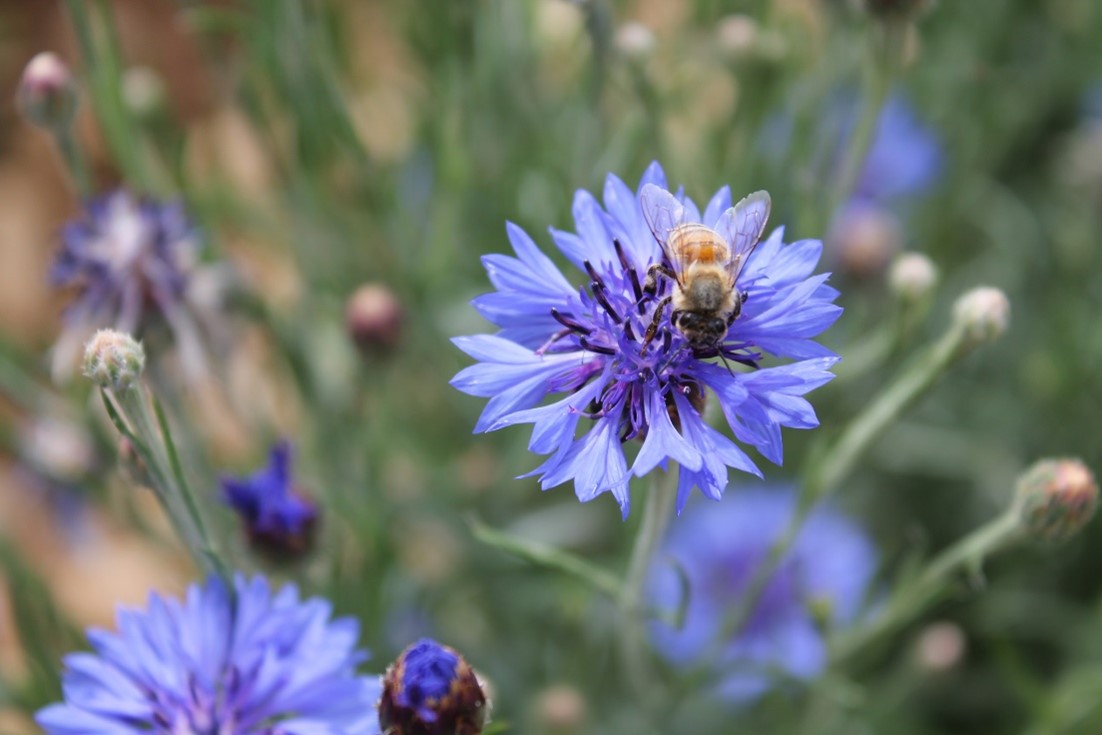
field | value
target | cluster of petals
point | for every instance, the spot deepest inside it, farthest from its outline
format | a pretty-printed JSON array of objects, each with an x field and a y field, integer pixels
[
  {"x": 609, "y": 388},
  {"x": 240, "y": 661}
]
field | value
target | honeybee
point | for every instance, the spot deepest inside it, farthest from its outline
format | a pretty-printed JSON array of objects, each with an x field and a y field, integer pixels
[{"x": 704, "y": 264}]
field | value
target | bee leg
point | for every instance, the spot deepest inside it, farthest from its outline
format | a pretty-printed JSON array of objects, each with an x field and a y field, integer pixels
[
  {"x": 650, "y": 286},
  {"x": 652, "y": 329},
  {"x": 553, "y": 339}
]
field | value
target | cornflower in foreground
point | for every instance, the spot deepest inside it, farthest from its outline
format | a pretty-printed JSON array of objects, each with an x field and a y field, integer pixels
[
  {"x": 820, "y": 583},
  {"x": 631, "y": 375},
  {"x": 129, "y": 259},
  {"x": 278, "y": 518},
  {"x": 247, "y": 663},
  {"x": 431, "y": 690}
]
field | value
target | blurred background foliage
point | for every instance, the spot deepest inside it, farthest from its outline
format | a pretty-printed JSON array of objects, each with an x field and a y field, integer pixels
[{"x": 324, "y": 144}]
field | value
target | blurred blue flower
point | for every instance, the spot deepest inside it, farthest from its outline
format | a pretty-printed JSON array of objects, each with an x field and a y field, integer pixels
[
  {"x": 821, "y": 582},
  {"x": 277, "y": 518},
  {"x": 249, "y": 663},
  {"x": 588, "y": 345},
  {"x": 128, "y": 258},
  {"x": 431, "y": 690},
  {"x": 904, "y": 159}
]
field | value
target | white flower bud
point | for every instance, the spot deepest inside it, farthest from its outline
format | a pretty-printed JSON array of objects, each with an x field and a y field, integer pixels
[
  {"x": 635, "y": 41},
  {"x": 912, "y": 276},
  {"x": 113, "y": 359},
  {"x": 984, "y": 313},
  {"x": 47, "y": 94},
  {"x": 143, "y": 91}
]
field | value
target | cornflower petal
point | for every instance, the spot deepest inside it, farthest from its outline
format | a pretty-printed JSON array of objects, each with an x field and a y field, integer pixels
[{"x": 617, "y": 370}]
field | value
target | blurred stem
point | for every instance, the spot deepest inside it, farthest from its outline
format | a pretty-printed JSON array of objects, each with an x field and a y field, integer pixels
[
  {"x": 102, "y": 67},
  {"x": 880, "y": 67},
  {"x": 599, "y": 25},
  {"x": 74, "y": 159},
  {"x": 828, "y": 468},
  {"x": 548, "y": 556},
  {"x": 928, "y": 587},
  {"x": 657, "y": 508},
  {"x": 152, "y": 439},
  {"x": 652, "y": 107}
]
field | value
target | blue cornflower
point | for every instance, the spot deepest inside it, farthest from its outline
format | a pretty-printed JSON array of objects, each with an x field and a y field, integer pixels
[
  {"x": 129, "y": 259},
  {"x": 589, "y": 345},
  {"x": 277, "y": 517},
  {"x": 431, "y": 690},
  {"x": 904, "y": 159},
  {"x": 821, "y": 583},
  {"x": 244, "y": 663}
]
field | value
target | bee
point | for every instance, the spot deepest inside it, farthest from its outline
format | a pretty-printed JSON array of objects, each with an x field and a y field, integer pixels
[{"x": 703, "y": 264}]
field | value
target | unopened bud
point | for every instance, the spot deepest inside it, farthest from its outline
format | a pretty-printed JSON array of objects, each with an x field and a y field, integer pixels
[
  {"x": 561, "y": 708},
  {"x": 738, "y": 36},
  {"x": 143, "y": 91},
  {"x": 113, "y": 359},
  {"x": 431, "y": 690},
  {"x": 984, "y": 313},
  {"x": 864, "y": 238},
  {"x": 373, "y": 318},
  {"x": 940, "y": 646},
  {"x": 912, "y": 276},
  {"x": 47, "y": 94},
  {"x": 1056, "y": 498},
  {"x": 635, "y": 41}
]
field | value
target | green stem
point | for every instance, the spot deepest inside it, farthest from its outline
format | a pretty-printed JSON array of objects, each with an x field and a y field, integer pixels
[
  {"x": 657, "y": 508},
  {"x": 103, "y": 70},
  {"x": 927, "y": 588},
  {"x": 880, "y": 68},
  {"x": 74, "y": 160},
  {"x": 154, "y": 441},
  {"x": 835, "y": 464}
]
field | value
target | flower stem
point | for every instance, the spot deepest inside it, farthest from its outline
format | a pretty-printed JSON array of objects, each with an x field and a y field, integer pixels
[
  {"x": 928, "y": 587},
  {"x": 835, "y": 464},
  {"x": 879, "y": 71},
  {"x": 657, "y": 508},
  {"x": 153, "y": 441},
  {"x": 74, "y": 159}
]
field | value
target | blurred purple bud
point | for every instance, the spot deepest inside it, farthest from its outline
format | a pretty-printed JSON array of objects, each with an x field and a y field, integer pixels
[{"x": 47, "y": 94}]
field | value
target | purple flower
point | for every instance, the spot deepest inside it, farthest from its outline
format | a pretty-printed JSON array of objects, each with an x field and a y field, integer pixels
[
  {"x": 905, "y": 157},
  {"x": 130, "y": 260},
  {"x": 277, "y": 518},
  {"x": 431, "y": 690},
  {"x": 588, "y": 345},
  {"x": 248, "y": 662},
  {"x": 821, "y": 582}
]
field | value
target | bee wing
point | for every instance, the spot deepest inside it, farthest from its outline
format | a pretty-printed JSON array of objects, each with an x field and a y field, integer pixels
[
  {"x": 663, "y": 214},
  {"x": 742, "y": 227}
]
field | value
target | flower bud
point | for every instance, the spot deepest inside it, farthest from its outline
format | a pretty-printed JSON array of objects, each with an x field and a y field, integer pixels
[
  {"x": 738, "y": 36},
  {"x": 47, "y": 94},
  {"x": 940, "y": 647},
  {"x": 635, "y": 41},
  {"x": 279, "y": 518},
  {"x": 912, "y": 276},
  {"x": 431, "y": 690},
  {"x": 143, "y": 91},
  {"x": 1056, "y": 498},
  {"x": 864, "y": 238},
  {"x": 113, "y": 359},
  {"x": 561, "y": 708},
  {"x": 984, "y": 313},
  {"x": 373, "y": 318}
]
